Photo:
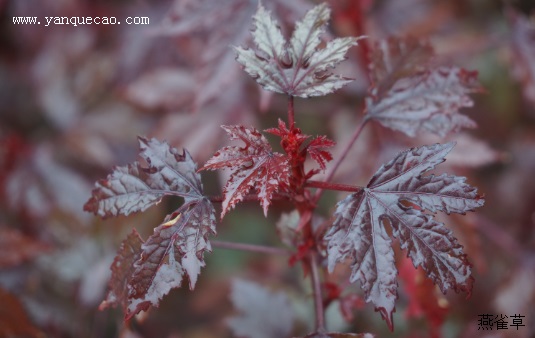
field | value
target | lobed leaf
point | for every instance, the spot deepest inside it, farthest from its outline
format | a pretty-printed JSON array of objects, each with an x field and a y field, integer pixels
[
  {"x": 143, "y": 272},
  {"x": 398, "y": 195},
  {"x": 395, "y": 58},
  {"x": 297, "y": 68},
  {"x": 176, "y": 248},
  {"x": 254, "y": 166},
  {"x": 411, "y": 95},
  {"x": 135, "y": 188},
  {"x": 358, "y": 234}
]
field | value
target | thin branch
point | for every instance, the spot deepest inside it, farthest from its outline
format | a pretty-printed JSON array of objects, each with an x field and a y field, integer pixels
[
  {"x": 341, "y": 158},
  {"x": 221, "y": 198},
  {"x": 251, "y": 197},
  {"x": 318, "y": 297},
  {"x": 332, "y": 186},
  {"x": 251, "y": 247},
  {"x": 291, "y": 114}
]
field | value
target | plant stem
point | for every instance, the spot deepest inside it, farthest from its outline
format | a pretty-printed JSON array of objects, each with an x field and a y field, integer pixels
[
  {"x": 341, "y": 158},
  {"x": 221, "y": 198},
  {"x": 251, "y": 197},
  {"x": 250, "y": 247},
  {"x": 291, "y": 114},
  {"x": 332, "y": 186},
  {"x": 318, "y": 297}
]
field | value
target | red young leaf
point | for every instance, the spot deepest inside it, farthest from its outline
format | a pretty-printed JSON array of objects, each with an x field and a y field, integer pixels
[
  {"x": 297, "y": 68},
  {"x": 134, "y": 188},
  {"x": 264, "y": 314},
  {"x": 296, "y": 146},
  {"x": 391, "y": 197},
  {"x": 411, "y": 95},
  {"x": 254, "y": 165},
  {"x": 316, "y": 149}
]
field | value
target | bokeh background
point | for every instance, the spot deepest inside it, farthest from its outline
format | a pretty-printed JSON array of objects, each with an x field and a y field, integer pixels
[{"x": 74, "y": 99}]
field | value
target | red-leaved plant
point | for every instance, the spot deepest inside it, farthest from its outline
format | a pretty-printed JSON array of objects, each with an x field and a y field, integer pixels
[{"x": 410, "y": 93}]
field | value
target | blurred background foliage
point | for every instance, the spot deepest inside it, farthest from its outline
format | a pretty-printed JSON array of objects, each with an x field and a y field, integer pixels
[{"x": 73, "y": 100}]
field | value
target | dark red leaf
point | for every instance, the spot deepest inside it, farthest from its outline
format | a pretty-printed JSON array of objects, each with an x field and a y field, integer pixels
[
  {"x": 297, "y": 67},
  {"x": 144, "y": 272},
  {"x": 411, "y": 95},
  {"x": 176, "y": 248},
  {"x": 134, "y": 188},
  {"x": 398, "y": 195}
]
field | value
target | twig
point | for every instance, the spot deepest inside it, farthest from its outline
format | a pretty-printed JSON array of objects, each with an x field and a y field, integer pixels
[
  {"x": 291, "y": 114},
  {"x": 318, "y": 297},
  {"x": 251, "y": 197},
  {"x": 341, "y": 158},
  {"x": 251, "y": 247},
  {"x": 332, "y": 186},
  {"x": 221, "y": 198}
]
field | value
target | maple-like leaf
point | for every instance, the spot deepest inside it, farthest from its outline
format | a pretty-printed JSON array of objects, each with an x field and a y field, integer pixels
[
  {"x": 411, "y": 95},
  {"x": 264, "y": 314},
  {"x": 254, "y": 166},
  {"x": 398, "y": 195},
  {"x": 134, "y": 188},
  {"x": 297, "y": 68},
  {"x": 176, "y": 247},
  {"x": 396, "y": 58}
]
